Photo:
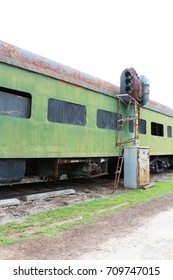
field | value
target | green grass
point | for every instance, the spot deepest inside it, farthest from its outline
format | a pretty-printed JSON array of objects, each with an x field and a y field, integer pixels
[{"x": 54, "y": 222}]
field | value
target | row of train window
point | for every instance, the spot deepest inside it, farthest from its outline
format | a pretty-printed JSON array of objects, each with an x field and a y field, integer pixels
[
  {"x": 18, "y": 104},
  {"x": 157, "y": 129}
]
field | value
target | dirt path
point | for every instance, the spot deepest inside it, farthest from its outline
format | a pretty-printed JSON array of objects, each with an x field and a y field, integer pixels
[
  {"x": 153, "y": 240},
  {"x": 144, "y": 230}
]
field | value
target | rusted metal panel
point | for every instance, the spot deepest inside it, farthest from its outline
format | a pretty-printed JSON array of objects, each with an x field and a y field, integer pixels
[
  {"x": 136, "y": 167},
  {"x": 12, "y": 55},
  {"x": 143, "y": 158}
]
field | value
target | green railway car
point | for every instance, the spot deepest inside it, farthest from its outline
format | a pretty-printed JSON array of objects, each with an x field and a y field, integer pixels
[
  {"x": 55, "y": 120},
  {"x": 157, "y": 124}
]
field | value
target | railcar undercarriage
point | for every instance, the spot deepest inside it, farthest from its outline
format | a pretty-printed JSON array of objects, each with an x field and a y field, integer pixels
[
  {"x": 160, "y": 164},
  {"x": 48, "y": 169},
  {"x": 14, "y": 170}
]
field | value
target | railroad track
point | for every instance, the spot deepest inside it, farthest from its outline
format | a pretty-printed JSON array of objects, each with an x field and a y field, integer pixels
[
  {"x": 80, "y": 184},
  {"x": 98, "y": 185},
  {"x": 19, "y": 190}
]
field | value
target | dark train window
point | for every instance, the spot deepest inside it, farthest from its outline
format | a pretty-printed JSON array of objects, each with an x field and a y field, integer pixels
[
  {"x": 157, "y": 129},
  {"x": 142, "y": 126},
  {"x": 15, "y": 103},
  {"x": 169, "y": 131},
  {"x": 106, "y": 119},
  {"x": 66, "y": 112}
]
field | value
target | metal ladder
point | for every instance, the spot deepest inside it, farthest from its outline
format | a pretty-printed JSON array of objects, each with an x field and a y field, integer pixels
[
  {"x": 121, "y": 123},
  {"x": 119, "y": 166}
]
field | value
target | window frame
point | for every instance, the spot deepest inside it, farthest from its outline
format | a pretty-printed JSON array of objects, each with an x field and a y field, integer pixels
[
  {"x": 169, "y": 131},
  {"x": 15, "y": 103},
  {"x": 107, "y": 119},
  {"x": 65, "y": 112},
  {"x": 142, "y": 128},
  {"x": 157, "y": 129}
]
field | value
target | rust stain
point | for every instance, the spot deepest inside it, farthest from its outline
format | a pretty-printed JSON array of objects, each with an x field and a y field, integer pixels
[
  {"x": 12, "y": 55},
  {"x": 143, "y": 170}
]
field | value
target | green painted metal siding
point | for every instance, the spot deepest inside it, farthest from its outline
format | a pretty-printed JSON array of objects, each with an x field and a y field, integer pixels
[
  {"x": 159, "y": 145},
  {"x": 37, "y": 137}
]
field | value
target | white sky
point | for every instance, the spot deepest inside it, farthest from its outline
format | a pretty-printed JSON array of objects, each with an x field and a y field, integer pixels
[{"x": 99, "y": 37}]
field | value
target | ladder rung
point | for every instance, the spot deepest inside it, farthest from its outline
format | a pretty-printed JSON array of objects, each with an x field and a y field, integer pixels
[
  {"x": 120, "y": 95},
  {"x": 127, "y": 119},
  {"x": 126, "y": 141}
]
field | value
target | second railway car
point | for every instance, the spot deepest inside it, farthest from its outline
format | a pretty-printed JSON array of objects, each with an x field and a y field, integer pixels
[{"x": 55, "y": 120}]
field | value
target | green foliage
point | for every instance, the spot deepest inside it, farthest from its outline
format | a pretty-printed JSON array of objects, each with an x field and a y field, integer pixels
[{"x": 52, "y": 223}]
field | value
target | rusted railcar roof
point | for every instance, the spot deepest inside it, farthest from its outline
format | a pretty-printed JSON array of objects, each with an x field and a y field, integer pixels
[
  {"x": 12, "y": 55},
  {"x": 17, "y": 57},
  {"x": 158, "y": 107}
]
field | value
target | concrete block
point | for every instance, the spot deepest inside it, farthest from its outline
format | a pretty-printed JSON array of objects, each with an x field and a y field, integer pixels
[
  {"x": 9, "y": 202},
  {"x": 39, "y": 196}
]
